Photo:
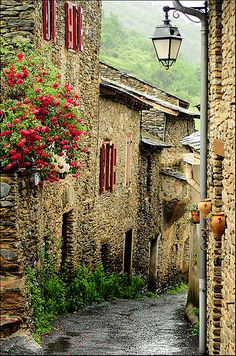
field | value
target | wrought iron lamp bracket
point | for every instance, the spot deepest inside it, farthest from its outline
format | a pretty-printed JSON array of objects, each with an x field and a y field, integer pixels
[{"x": 176, "y": 15}]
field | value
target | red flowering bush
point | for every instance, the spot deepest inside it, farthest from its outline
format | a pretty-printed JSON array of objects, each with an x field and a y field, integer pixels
[{"x": 40, "y": 119}]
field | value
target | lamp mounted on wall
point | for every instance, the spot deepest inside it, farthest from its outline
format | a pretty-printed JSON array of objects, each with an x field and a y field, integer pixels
[
  {"x": 166, "y": 41},
  {"x": 167, "y": 38}
]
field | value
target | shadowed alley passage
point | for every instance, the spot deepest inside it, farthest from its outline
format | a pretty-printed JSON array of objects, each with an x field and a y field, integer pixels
[{"x": 125, "y": 327}]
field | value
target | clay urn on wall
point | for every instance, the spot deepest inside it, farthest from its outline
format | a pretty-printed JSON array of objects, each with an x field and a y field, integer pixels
[
  {"x": 217, "y": 223},
  {"x": 195, "y": 216},
  {"x": 204, "y": 207}
]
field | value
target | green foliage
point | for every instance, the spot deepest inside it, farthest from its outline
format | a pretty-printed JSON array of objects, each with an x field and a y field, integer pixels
[
  {"x": 54, "y": 294},
  {"x": 195, "y": 329},
  {"x": 180, "y": 288},
  {"x": 87, "y": 287},
  {"x": 196, "y": 311},
  {"x": 192, "y": 207},
  {"x": 150, "y": 294},
  {"x": 8, "y": 49},
  {"x": 48, "y": 293},
  {"x": 195, "y": 326},
  {"x": 120, "y": 43}
]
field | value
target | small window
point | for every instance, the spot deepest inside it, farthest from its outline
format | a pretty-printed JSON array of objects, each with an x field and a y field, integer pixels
[
  {"x": 74, "y": 26},
  {"x": 49, "y": 20},
  {"x": 128, "y": 159},
  {"x": 107, "y": 167}
]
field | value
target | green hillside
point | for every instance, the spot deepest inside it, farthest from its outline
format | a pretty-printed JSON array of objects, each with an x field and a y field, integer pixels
[{"x": 126, "y": 27}]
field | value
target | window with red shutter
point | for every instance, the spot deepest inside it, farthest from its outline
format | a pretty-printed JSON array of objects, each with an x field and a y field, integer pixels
[
  {"x": 49, "y": 20},
  {"x": 74, "y": 26},
  {"x": 80, "y": 29},
  {"x": 107, "y": 167},
  {"x": 113, "y": 168},
  {"x": 128, "y": 158},
  {"x": 102, "y": 168}
]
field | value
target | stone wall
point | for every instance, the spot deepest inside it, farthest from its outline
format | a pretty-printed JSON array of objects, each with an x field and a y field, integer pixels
[
  {"x": 17, "y": 20},
  {"x": 175, "y": 129},
  {"x": 154, "y": 121},
  {"x": 15, "y": 310},
  {"x": 163, "y": 233},
  {"x": 221, "y": 251}
]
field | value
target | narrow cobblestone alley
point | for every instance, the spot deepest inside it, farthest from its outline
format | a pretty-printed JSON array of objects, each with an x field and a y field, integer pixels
[{"x": 125, "y": 327}]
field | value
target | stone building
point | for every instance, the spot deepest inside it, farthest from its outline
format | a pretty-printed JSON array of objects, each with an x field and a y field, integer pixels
[
  {"x": 32, "y": 219},
  {"x": 161, "y": 249},
  {"x": 127, "y": 207},
  {"x": 221, "y": 182}
]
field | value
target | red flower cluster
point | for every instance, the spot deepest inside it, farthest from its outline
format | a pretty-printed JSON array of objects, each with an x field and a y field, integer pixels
[{"x": 40, "y": 120}]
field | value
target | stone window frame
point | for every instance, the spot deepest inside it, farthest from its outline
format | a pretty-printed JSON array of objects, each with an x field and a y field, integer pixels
[
  {"x": 107, "y": 167},
  {"x": 49, "y": 20},
  {"x": 73, "y": 27}
]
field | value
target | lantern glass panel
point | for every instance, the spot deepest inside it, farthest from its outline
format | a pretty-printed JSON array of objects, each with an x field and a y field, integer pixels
[
  {"x": 162, "y": 47},
  {"x": 174, "y": 48}
]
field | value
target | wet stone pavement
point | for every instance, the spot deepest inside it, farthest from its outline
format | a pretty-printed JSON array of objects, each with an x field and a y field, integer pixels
[{"x": 125, "y": 327}]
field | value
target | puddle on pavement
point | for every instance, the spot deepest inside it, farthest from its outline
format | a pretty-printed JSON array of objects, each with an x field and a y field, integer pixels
[
  {"x": 62, "y": 344},
  {"x": 73, "y": 333}
]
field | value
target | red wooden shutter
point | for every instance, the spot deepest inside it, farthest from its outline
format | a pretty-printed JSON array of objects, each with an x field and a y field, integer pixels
[
  {"x": 113, "y": 168},
  {"x": 53, "y": 20},
  {"x": 107, "y": 166},
  {"x": 80, "y": 28},
  {"x": 69, "y": 25},
  {"x": 102, "y": 168},
  {"x": 74, "y": 31},
  {"x": 49, "y": 17}
]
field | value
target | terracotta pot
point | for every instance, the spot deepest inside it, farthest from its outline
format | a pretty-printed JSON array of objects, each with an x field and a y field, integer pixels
[
  {"x": 204, "y": 207},
  {"x": 195, "y": 217},
  {"x": 217, "y": 223}
]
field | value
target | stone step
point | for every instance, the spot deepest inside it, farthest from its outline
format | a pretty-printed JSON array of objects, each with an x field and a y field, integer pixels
[
  {"x": 12, "y": 295},
  {"x": 9, "y": 324}
]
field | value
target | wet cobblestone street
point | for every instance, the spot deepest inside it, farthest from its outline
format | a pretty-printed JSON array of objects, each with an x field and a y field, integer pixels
[{"x": 125, "y": 327}]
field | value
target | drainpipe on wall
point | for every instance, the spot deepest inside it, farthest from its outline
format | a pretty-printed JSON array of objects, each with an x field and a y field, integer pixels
[
  {"x": 188, "y": 172},
  {"x": 203, "y": 163}
]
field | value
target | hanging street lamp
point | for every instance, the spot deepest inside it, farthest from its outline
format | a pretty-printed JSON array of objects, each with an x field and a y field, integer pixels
[{"x": 166, "y": 41}]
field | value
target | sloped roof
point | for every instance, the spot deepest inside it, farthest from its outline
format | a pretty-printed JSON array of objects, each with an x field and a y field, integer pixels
[
  {"x": 156, "y": 103},
  {"x": 129, "y": 75},
  {"x": 119, "y": 94},
  {"x": 192, "y": 141},
  {"x": 152, "y": 140},
  {"x": 173, "y": 173}
]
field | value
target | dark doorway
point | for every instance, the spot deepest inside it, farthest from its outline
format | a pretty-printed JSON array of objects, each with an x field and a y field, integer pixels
[
  {"x": 153, "y": 265},
  {"x": 105, "y": 255},
  {"x": 128, "y": 251},
  {"x": 67, "y": 234}
]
